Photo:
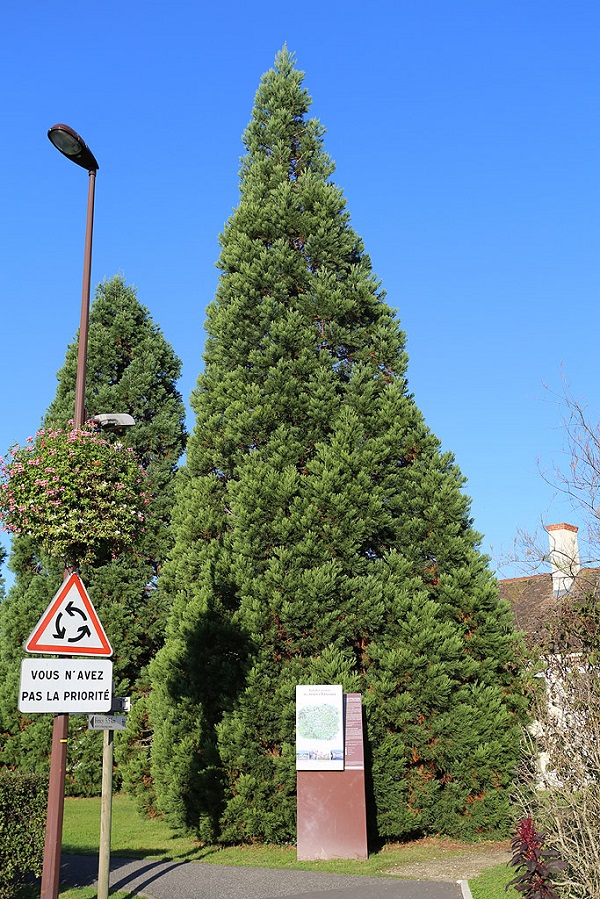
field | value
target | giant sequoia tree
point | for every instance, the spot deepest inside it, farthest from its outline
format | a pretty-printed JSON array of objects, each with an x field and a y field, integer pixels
[
  {"x": 321, "y": 536},
  {"x": 131, "y": 368}
]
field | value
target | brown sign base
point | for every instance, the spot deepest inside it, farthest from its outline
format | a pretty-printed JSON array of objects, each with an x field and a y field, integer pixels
[{"x": 332, "y": 816}]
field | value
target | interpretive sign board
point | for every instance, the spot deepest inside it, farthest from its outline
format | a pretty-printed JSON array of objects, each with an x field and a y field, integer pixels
[
  {"x": 332, "y": 813},
  {"x": 355, "y": 747},
  {"x": 63, "y": 686},
  {"x": 319, "y": 728}
]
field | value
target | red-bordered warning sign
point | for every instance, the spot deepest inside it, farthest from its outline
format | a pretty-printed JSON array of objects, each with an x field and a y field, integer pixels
[{"x": 70, "y": 625}]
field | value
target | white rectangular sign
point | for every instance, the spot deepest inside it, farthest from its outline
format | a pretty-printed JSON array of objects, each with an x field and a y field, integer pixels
[
  {"x": 319, "y": 728},
  {"x": 107, "y": 722},
  {"x": 65, "y": 685}
]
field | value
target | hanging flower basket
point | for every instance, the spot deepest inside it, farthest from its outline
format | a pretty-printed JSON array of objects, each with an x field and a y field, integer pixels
[{"x": 81, "y": 498}]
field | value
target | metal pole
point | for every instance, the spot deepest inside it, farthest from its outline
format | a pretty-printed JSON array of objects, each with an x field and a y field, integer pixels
[
  {"x": 106, "y": 814},
  {"x": 58, "y": 757},
  {"x": 54, "y": 817},
  {"x": 85, "y": 307}
]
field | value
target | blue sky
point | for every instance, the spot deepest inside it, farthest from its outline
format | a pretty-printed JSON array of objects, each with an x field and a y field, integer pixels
[{"x": 466, "y": 137}]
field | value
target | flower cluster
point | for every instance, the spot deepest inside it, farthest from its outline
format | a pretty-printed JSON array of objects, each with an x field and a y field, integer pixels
[{"x": 80, "y": 497}]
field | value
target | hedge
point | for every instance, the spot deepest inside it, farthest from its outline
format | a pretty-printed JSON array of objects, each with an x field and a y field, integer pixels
[{"x": 23, "y": 800}]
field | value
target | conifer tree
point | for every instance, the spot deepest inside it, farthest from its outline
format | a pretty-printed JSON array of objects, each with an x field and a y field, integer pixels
[
  {"x": 321, "y": 535},
  {"x": 131, "y": 368}
]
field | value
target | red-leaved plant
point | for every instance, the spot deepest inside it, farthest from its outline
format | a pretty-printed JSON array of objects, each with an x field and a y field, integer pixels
[{"x": 539, "y": 864}]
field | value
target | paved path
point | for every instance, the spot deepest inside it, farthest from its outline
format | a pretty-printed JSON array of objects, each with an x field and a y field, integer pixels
[{"x": 195, "y": 880}]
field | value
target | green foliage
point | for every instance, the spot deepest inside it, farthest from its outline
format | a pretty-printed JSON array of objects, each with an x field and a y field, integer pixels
[
  {"x": 23, "y": 799},
  {"x": 493, "y": 884},
  {"x": 131, "y": 368},
  {"x": 321, "y": 536},
  {"x": 81, "y": 498}
]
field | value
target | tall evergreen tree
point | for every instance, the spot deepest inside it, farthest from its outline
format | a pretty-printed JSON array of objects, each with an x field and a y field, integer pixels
[
  {"x": 131, "y": 368},
  {"x": 321, "y": 535}
]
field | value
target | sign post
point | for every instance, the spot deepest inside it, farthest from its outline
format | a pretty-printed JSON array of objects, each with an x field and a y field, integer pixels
[
  {"x": 84, "y": 157},
  {"x": 109, "y": 724},
  {"x": 54, "y": 817},
  {"x": 105, "y": 814},
  {"x": 68, "y": 627}
]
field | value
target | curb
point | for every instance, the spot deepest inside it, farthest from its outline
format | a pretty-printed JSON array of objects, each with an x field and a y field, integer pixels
[{"x": 464, "y": 888}]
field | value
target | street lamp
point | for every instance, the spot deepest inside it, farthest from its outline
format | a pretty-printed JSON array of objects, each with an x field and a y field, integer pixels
[
  {"x": 71, "y": 145},
  {"x": 113, "y": 421}
]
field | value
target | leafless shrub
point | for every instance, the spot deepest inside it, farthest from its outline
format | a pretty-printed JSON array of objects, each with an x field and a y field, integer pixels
[
  {"x": 562, "y": 791},
  {"x": 560, "y": 784},
  {"x": 575, "y": 477}
]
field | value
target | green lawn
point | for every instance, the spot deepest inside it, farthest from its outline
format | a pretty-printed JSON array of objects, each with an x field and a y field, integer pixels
[
  {"x": 492, "y": 884},
  {"x": 132, "y": 834},
  {"x": 136, "y": 836}
]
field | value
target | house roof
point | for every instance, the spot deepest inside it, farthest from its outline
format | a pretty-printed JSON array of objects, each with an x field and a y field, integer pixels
[{"x": 534, "y": 603}]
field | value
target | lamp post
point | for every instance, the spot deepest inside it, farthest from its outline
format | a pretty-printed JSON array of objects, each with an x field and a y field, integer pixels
[{"x": 74, "y": 148}]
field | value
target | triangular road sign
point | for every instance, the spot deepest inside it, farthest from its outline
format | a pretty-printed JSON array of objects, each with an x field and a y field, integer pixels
[{"x": 70, "y": 626}]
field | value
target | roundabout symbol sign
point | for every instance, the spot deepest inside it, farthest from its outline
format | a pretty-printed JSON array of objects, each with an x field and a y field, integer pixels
[
  {"x": 70, "y": 625},
  {"x": 60, "y": 628}
]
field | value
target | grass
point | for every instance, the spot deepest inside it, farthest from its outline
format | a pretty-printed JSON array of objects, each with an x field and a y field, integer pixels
[
  {"x": 132, "y": 834},
  {"x": 492, "y": 884},
  {"x": 135, "y": 836}
]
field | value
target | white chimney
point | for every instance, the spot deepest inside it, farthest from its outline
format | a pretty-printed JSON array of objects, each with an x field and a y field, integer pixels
[{"x": 564, "y": 556}]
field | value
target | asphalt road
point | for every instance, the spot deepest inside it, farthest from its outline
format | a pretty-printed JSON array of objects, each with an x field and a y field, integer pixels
[{"x": 195, "y": 880}]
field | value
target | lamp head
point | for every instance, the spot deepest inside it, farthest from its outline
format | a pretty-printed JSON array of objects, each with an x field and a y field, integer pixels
[
  {"x": 112, "y": 421},
  {"x": 73, "y": 147}
]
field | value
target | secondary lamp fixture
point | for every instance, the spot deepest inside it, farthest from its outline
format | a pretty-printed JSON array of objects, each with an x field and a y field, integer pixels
[{"x": 111, "y": 421}]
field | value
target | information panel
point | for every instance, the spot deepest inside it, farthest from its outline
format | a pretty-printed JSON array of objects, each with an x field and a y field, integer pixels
[
  {"x": 355, "y": 750},
  {"x": 65, "y": 685},
  {"x": 319, "y": 728},
  {"x": 332, "y": 813}
]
